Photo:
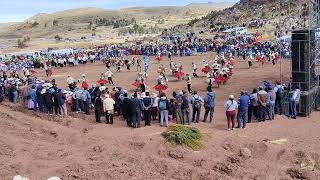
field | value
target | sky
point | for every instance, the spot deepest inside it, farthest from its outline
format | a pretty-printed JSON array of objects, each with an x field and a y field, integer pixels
[{"x": 20, "y": 10}]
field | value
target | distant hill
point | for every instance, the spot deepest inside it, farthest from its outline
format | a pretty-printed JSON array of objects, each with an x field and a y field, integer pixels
[
  {"x": 77, "y": 20},
  {"x": 288, "y": 17}
]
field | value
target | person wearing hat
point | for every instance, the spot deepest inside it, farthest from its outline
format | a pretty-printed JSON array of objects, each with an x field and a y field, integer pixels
[
  {"x": 209, "y": 104},
  {"x": 231, "y": 107},
  {"x": 108, "y": 106}
]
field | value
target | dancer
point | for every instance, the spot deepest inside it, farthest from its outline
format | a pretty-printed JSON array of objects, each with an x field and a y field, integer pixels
[
  {"x": 159, "y": 56},
  {"x": 179, "y": 74},
  {"x": 84, "y": 83},
  {"x": 139, "y": 64},
  {"x": 206, "y": 68},
  {"x": 194, "y": 70},
  {"x": 189, "y": 82},
  {"x": 162, "y": 84},
  {"x": 102, "y": 81}
]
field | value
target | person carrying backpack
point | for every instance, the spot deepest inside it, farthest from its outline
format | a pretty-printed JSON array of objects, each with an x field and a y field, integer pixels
[
  {"x": 209, "y": 104},
  {"x": 164, "y": 107},
  {"x": 196, "y": 106},
  {"x": 185, "y": 108}
]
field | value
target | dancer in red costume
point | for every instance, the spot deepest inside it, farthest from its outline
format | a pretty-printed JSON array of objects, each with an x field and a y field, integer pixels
[
  {"x": 179, "y": 74},
  {"x": 162, "y": 85}
]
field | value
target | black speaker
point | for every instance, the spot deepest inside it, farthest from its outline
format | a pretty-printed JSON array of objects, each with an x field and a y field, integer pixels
[
  {"x": 309, "y": 101},
  {"x": 303, "y": 55}
]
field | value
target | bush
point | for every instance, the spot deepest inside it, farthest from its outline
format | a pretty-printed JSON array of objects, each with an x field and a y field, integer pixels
[{"x": 184, "y": 135}]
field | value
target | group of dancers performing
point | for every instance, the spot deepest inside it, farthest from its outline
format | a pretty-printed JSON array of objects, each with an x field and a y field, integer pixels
[{"x": 217, "y": 72}]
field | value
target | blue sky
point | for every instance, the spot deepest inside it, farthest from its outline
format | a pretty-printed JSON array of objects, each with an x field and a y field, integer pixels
[{"x": 19, "y": 10}]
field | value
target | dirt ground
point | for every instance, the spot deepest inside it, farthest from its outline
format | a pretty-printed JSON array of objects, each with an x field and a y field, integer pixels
[{"x": 38, "y": 146}]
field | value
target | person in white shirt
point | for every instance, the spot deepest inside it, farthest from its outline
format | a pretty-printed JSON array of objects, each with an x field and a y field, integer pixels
[
  {"x": 294, "y": 100},
  {"x": 194, "y": 70},
  {"x": 108, "y": 106},
  {"x": 109, "y": 75},
  {"x": 231, "y": 107}
]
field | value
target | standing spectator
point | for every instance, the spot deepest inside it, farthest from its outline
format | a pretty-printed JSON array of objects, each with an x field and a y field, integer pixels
[
  {"x": 60, "y": 99},
  {"x": 108, "y": 106},
  {"x": 231, "y": 110},
  {"x": 271, "y": 103},
  {"x": 13, "y": 93},
  {"x": 294, "y": 101},
  {"x": 40, "y": 100},
  {"x": 154, "y": 108},
  {"x": 164, "y": 107},
  {"x": 98, "y": 107},
  {"x": 244, "y": 102},
  {"x": 185, "y": 108},
  {"x": 209, "y": 104},
  {"x": 55, "y": 101},
  {"x": 77, "y": 100},
  {"x": 177, "y": 109},
  {"x": 147, "y": 103},
  {"x": 253, "y": 108},
  {"x": 33, "y": 98},
  {"x": 279, "y": 90},
  {"x": 48, "y": 101},
  {"x": 127, "y": 108},
  {"x": 196, "y": 102},
  {"x": 136, "y": 110},
  {"x": 86, "y": 99},
  {"x": 262, "y": 104},
  {"x": 2, "y": 91}
]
